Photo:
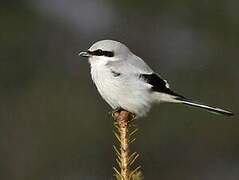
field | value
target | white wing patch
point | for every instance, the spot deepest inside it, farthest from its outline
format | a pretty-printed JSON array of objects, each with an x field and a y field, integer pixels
[{"x": 167, "y": 84}]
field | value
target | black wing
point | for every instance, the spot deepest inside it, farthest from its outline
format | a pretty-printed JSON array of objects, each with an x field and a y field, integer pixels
[{"x": 159, "y": 85}]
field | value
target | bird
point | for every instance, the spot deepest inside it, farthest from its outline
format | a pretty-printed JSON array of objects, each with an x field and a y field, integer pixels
[{"x": 126, "y": 82}]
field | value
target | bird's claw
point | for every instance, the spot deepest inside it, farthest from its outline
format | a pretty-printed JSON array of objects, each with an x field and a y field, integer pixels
[{"x": 117, "y": 110}]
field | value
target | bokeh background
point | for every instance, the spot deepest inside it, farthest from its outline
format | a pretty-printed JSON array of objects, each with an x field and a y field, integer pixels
[{"x": 55, "y": 126}]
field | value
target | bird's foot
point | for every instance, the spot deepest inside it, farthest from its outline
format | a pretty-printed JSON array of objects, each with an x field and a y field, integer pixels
[
  {"x": 118, "y": 110},
  {"x": 114, "y": 111}
]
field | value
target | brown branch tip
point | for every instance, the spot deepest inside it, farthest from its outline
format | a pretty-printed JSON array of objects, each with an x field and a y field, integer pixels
[{"x": 123, "y": 123}]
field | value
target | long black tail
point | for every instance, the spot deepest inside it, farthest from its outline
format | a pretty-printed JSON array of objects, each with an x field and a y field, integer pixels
[{"x": 208, "y": 108}]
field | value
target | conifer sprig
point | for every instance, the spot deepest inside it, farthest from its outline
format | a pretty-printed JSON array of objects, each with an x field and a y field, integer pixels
[{"x": 124, "y": 132}]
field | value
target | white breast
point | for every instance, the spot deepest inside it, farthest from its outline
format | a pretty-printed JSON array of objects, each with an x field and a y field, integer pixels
[
  {"x": 106, "y": 86},
  {"x": 125, "y": 91}
]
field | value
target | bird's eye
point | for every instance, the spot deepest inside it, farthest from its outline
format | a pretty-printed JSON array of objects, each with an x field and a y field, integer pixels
[{"x": 99, "y": 51}]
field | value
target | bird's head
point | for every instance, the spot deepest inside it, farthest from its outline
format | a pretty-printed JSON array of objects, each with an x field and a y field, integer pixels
[{"x": 106, "y": 50}]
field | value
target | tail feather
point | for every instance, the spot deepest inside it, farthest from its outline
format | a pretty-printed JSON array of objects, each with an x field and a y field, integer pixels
[
  {"x": 177, "y": 98},
  {"x": 208, "y": 108}
]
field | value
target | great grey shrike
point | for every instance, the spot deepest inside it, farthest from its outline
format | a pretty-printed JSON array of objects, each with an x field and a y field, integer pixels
[{"x": 125, "y": 81}]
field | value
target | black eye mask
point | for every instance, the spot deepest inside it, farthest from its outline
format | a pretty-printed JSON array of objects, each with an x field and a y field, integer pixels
[{"x": 100, "y": 52}]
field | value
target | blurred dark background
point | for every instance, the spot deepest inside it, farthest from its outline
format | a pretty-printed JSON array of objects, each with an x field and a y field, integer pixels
[{"x": 55, "y": 126}]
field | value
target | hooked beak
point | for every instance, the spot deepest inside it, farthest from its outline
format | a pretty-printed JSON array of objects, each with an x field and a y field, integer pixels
[{"x": 84, "y": 54}]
